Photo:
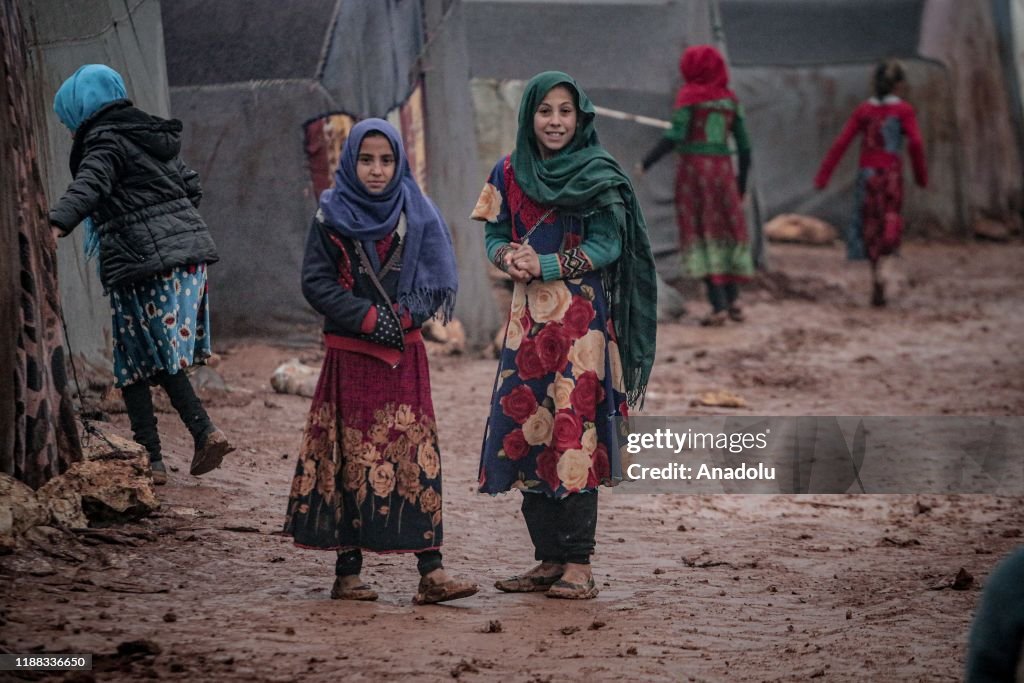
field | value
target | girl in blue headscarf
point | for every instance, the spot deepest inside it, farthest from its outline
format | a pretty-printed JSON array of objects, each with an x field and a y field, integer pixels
[
  {"x": 379, "y": 262},
  {"x": 139, "y": 205}
]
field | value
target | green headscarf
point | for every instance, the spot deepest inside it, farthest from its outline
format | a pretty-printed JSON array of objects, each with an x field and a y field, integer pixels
[{"x": 582, "y": 177}]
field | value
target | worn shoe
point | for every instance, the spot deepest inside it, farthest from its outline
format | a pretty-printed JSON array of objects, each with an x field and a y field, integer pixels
[
  {"x": 526, "y": 584},
  {"x": 360, "y": 592},
  {"x": 716, "y": 319},
  {"x": 573, "y": 591},
  {"x": 209, "y": 455},
  {"x": 736, "y": 314},
  {"x": 430, "y": 592},
  {"x": 159, "y": 472}
]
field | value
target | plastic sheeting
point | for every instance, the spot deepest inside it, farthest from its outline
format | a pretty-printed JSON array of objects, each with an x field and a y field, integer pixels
[{"x": 370, "y": 65}]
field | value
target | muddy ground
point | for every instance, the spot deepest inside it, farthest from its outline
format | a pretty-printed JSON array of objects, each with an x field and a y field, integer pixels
[{"x": 709, "y": 588}]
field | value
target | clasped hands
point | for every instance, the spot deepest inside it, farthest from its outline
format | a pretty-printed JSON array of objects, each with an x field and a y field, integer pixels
[{"x": 521, "y": 262}]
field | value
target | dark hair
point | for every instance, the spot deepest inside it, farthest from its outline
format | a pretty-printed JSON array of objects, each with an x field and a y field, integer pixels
[{"x": 887, "y": 74}]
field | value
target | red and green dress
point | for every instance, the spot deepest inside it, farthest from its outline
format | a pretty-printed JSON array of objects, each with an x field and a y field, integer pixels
[
  {"x": 713, "y": 237},
  {"x": 559, "y": 385}
]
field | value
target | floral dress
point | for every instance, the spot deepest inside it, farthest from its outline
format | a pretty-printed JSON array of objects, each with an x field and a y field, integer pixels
[
  {"x": 558, "y": 389},
  {"x": 368, "y": 474}
]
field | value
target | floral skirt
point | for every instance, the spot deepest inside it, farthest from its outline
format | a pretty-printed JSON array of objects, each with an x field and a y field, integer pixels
[
  {"x": 369, "y": 470},
  {"x": 159, "y": 324},
  {"x": 552, "y": 427},
  {"x": 712, "y": 228}
]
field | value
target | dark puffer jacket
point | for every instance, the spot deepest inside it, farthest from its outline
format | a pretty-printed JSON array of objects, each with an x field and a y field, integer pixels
[{"x": 141, "y": 197}]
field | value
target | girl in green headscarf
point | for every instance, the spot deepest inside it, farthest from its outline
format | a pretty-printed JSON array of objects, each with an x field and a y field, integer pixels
[{"x": 563, "y": 222}]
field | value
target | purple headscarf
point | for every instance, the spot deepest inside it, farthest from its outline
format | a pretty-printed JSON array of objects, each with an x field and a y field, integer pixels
[{"x": 428, "y": 279}]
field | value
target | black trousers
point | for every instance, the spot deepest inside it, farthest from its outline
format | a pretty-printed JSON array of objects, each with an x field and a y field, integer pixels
[
  {"x": 138, "y": 401},
  {"x": 562, "y": 530},
  {"x": 721, "y": 297},
  {"x": 350, "y": 562}
]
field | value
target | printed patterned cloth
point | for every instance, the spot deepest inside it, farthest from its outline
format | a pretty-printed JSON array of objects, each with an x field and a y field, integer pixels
[
  {"x": 369, "y": 469},
  {"x": 885, "y": 125},
  {"x": 558, "y": 389},
  {"x": 877, "y": 226},
  {"x": 161, "y": 323},
  {"x": 712, "y": 228}
]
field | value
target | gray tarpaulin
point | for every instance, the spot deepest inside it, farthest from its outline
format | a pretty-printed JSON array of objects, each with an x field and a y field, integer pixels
[
  {"x": 246, "y": 142},
  {"x": 794, "y": 32},
  {"x": 126, "y": 35},
  {"x": 370, "y": 65},
  {"x": 231, "y": 42}
]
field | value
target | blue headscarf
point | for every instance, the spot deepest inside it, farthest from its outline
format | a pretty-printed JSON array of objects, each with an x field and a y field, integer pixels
[
  {"x": 78, "y": 98},
  {"x": 91, "y": 87},
  {"x": 429, "y": 278}
]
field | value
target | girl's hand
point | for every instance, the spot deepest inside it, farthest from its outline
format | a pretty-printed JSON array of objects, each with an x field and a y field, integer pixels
[
  {"x": 57, "y": 232},
  {"x": 514, "y": 271},
  {"x": 525, "y": 259},
  {"x": 638, "y": 170}
]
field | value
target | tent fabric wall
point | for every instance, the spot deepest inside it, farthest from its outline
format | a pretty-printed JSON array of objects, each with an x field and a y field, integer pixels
[
  {"x": 962, "y": 36},
  {"x": 246, "y": 138},
  {"x": 624, "y": 54},
  {"x": 800, "y": 67},
  {"x": 371, "y": 61},
  {"x": 235, "y": 42},
  {"x": 128, "y": 36},
  {"x": 807, "y": 32},
  {"x": 794, "y": 113},
  {"x": 451, "y": 151},
  {"x": 246, "y": 142}
]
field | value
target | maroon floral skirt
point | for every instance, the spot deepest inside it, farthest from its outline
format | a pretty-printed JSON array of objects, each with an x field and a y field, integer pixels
[{"x": 369, "y": 469}]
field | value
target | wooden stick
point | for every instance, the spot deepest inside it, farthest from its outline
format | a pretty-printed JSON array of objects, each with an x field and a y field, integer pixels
[{"x": 635, "y": 118}]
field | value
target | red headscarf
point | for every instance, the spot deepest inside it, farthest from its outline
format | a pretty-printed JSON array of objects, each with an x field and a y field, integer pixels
[{"x": 705, "y": 74}]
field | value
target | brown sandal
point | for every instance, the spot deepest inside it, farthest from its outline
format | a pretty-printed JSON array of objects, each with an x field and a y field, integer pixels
[
  {"x": 526, "y": 584},
  {"x": 736, "y": 314},
  {"x": 430, "y": 592},
  {"x": 573, "y": 591},
  {"x": 360, "y": 592}
]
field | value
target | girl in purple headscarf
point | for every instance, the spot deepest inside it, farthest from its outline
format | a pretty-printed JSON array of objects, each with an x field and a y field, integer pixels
[{"x": 379, "y": 262}]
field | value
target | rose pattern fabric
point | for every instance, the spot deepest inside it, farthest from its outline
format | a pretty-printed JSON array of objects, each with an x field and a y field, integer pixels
[{"x": 369, "y": 468}]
